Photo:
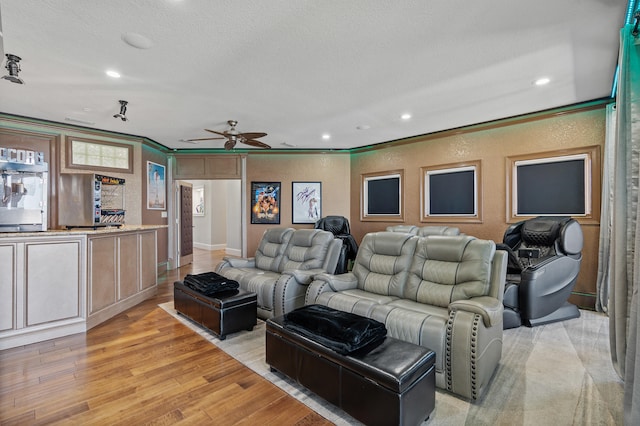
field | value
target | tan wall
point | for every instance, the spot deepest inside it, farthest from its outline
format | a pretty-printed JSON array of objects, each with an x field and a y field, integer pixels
[
  {"x": 154, "y": 217},
  {"x": 332, "y": 170},
  {"x": 340, "y": 175},
  {"x": 491, "y": 146}
]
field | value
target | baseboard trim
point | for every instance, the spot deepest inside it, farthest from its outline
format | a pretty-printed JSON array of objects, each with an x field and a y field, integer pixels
[
  {"x": 209, "y": 247},
  {"x": 233, "y": 252}
]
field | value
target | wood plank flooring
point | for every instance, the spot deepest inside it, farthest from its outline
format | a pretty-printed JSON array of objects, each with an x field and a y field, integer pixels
[{"x": 141, "y": 367}]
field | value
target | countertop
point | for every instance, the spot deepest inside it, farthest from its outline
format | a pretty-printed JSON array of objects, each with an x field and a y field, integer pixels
[{"x": 82, "y": 231}]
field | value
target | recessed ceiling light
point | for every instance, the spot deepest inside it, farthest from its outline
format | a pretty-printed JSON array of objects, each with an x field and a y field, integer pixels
[
  {"x": 112, "y": 73},
  {"x": 326, "y": 136},
  {"x": 363, "y": 127},
  {"x": 405, "y": 116},
  {"x": 137, "y": 40},
  {"x": 542, "y": 81}
]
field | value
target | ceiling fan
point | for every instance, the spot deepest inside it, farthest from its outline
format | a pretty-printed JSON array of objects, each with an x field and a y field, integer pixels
[{"x": 233, "y": 136}]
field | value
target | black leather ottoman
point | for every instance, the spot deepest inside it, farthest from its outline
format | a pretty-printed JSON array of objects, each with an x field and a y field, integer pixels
[
  {"x": 222, "y": 314},
  {"x": 394, "y": 384}
]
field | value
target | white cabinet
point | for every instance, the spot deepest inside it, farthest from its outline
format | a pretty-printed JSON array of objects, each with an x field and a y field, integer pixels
[
  {"x": 41, "y": 288},
  {"x": 7, "y": 285}
]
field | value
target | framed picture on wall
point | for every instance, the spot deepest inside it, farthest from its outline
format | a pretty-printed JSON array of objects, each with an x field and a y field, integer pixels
[
  {"x": 381, "y": 196},
  {"x": 451, "y": 193},
  {"x": 198, "y": 200},
  {"x": 265, "y": 203},
  {"x": 156, "y": 187},
  {"x": 306, "y": 201},
  {"x": 556, "y": 183}
]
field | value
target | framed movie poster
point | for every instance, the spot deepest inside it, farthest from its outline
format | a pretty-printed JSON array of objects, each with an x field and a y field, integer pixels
[
  {"x": 156, "y": 187},
  {"x": 265, "y": 202},
  {"x": 307, "y": 202}
]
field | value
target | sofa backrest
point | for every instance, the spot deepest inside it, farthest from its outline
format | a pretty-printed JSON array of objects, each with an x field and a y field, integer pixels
[
  {"x": 438, "y": 230},
  {"x": 446, "y": 269},
  {"x": 383, "y": 261},
  {"x": 272, "y": 247},
  {"x": 311, "y": 249},
  {"x": 409, "y": 229}
]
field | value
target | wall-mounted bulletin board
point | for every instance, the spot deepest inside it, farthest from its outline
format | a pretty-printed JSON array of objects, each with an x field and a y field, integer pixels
[
  {"x": 381, "y": 196},
  {"x": 557, "y": 183},
  {"x": 451, "y": 193}
]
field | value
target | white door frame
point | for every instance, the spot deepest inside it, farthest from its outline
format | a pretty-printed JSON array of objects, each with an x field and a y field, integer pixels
[{"x": 173, "y": 206}]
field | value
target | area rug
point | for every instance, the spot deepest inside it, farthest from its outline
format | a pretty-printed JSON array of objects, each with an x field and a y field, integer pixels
[{"x": 555, "y": 374}]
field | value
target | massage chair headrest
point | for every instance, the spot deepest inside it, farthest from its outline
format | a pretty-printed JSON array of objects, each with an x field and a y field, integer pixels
[
  {"x": 337, "y": 225},
  {"x": 545, "y": 231}
]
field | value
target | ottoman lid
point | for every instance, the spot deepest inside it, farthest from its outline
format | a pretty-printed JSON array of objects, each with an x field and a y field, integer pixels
[{"x": 394, "y": 364}]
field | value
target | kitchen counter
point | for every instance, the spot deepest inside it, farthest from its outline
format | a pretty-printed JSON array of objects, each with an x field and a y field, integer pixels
[{"x": 85, "y": 231}]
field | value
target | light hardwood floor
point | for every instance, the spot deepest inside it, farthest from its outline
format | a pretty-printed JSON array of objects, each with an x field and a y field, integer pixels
[{"x": 140, "y": 367}]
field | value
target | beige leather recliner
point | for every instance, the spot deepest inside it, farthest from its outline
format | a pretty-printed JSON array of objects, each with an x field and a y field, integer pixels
[
  {"x": 440, "y": 292},
  {"x": 284, "y": 264}
]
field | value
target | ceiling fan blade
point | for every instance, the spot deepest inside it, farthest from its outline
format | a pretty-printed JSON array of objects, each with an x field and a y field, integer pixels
[
  {"x": 216, "y": 132},
  {"x": 202, "y": 139},
  {"x": 255, "y": 143},
  {"x": 252, "y": 135},
  {"x": 229, "y": 144}
]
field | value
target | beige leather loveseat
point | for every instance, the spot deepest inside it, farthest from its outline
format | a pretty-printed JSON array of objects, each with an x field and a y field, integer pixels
[
  {"x": 441, "y": 292},
  {"x": 283, "y": 266}
]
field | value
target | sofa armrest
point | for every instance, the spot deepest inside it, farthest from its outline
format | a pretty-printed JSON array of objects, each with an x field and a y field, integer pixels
[
  {"x": 237, "y": 262},
  {"x": 489, "y": 308},
  {"x": 303, "y": 276},
  {"x": 339, "y": 282},
  {"x": 326, "y": 283}
]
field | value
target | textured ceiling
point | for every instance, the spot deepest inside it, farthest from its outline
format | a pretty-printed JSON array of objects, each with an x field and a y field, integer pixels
[{"x": 297, "y": 69}]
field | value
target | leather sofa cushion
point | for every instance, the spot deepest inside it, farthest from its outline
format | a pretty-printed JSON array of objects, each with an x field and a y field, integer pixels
[
  {"x": 307, "y": 249},
  {"x": 383, "y": 262},
  {"x": 446, "y": 269},
  {"x": 272, "y": 246},
  {"x": 263, "y": 283},
  {"x": 417, "y": 323},
  {"x": 357, "y": 301}
]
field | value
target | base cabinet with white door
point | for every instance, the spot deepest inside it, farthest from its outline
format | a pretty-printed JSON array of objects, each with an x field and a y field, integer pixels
[{"x": 57, "y": 283}]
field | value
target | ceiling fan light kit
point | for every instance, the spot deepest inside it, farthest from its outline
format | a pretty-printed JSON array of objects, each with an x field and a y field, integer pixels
[{"x": 232, "y": 137}]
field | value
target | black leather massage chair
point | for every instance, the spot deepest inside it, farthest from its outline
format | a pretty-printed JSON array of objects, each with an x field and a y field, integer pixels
[
  {"x": 339, "y": 226},
  {"x": 544, "y": 261}
]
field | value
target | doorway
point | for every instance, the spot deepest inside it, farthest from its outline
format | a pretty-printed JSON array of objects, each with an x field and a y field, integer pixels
[
  {"x": 216, "y": 218},
  {"x": 185, "y": 234}
]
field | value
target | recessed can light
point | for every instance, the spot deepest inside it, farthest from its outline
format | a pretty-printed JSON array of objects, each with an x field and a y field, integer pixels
[
  {"x": 112, "y": 73},
  {"x": 137, "y": 40},
  {"x": 326, "y": 136},
  {"x": 363, "y": 127},
  {"x": 542, "y": 81},
  {"x": 405, "y": 116}
]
